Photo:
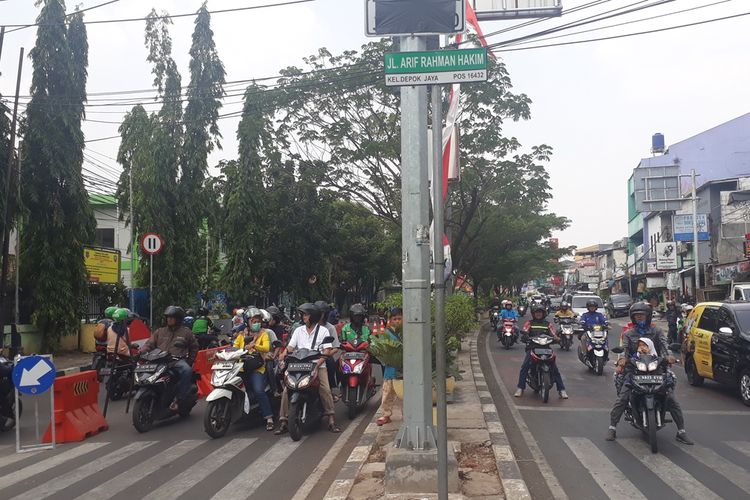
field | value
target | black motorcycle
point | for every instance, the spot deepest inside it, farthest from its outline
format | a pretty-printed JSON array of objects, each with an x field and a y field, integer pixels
[
  {"x": 7, "y": 396},
  {"x": 117, "y": 375},
  {"x": 649, "y": 383},
  {"x": 522, "y": 308},
  {"x": 566, "y": 332},
  {"x": 156, "y": 389},
  {"x": 302, "y": 383},
  {"x": 539, "y": 377}
]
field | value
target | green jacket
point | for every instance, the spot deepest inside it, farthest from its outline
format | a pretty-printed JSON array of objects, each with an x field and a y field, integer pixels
[{"x": 348, "y": 333}]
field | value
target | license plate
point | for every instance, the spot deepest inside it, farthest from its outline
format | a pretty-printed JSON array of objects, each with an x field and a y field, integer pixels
[
  {"x": 543, "y": 351},
  {"x": 105, "y": 371},
  {"x": 648, "y": 379},
  {"x": 146, "y": 368},
  {"x": 227, "y": 365},
  {"x": 354, "y": 355},
  {"x": 300, "y": 367}
]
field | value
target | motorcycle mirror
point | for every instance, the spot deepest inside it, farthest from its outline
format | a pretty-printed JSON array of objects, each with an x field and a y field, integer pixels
[{"x": 617, "y": 350}]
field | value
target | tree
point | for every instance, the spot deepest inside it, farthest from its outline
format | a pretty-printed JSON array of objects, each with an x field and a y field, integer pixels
[
  {"x": 60, "y": 220},
  {"x": 5, "y": 151}
]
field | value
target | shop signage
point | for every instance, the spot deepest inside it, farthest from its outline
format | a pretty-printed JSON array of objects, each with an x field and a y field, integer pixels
[
  {"x": 666, "y": 256},
  {"x": 728, "y": 272},
  {"x": 683, "y": 227}
]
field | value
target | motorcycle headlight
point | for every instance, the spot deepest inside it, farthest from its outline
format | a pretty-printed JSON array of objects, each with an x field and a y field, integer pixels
[
  {"x": 358, "y": 368},
  {"x": 652, "y": 366},
  {"x": 641, "y": 366},
  {"x": 153, "y": 378},
  {"x": 304, "y": 382}
]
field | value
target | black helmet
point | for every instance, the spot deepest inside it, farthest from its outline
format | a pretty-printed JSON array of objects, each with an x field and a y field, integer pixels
[
  {"x": 311, "y": 309},
  {"x": 190, "y": 312},
  {"x": 591, "y": 302},
  {"x": 323, "y": 306},
  {"x": 174, "y": 312},
  {"x": 202, "y": 311},
  {"x": 537, "y": 307},
  {"x": 357, "y": 310},
  {"x": 564, "y": 305},
  {"x": 275, "y": 312},
  {"x": 641, "y": 308}
]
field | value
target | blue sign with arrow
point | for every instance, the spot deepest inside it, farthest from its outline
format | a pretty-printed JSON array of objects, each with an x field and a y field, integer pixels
[{"x": 33, "y": 375}]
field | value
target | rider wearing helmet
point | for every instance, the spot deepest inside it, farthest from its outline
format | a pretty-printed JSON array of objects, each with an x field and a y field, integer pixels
[
  {"x": 538, "y": 325},
  {"x": 311, "y": 336},
  {"x": 564, "y": 311},
  {"x": 640, "y": 315},
  {"x": 683, "y": 324},
  {"x": 592, "y": 317},
  {"x": 331, "y": 362},
  {"x": 117, "y": 333},
  {"x": 356, "y": 326},
  {"x": 508, "y": 312},
  {"x": 204, "y": 329},
  {"x": 101, "y": 327},
  {"x": 179, "y": 341},
  {"x": 671, "y": 315}
]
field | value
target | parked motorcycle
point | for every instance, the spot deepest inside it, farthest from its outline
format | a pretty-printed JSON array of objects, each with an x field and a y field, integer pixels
[
  {"x": 117, "y": 374},
  {"x": 7, "y": 396},
  {"x": 540, "y": 372},
  {"x": 355, "y": 373},
  {"x": 593, "y": 351},
  {"x": 302, "y": 382},
  {"x": 566, "y": 332},
  {"x": 507, "y": 333},
  {"x": 156, "y": 389},
  {"x": 647, "y": 408},
  {"x": 229, "y": 400}
]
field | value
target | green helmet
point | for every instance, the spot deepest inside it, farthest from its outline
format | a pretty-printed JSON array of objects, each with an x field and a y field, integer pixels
[
  {"x": 120, "y": 314},
  {"x": 110, "y": 311}
]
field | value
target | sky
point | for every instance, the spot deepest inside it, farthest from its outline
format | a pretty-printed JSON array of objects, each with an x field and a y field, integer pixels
[{"x": 597, "y": 104}]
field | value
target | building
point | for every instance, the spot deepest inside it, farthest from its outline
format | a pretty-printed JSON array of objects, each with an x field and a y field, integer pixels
[{"x": 111, "y": 232}]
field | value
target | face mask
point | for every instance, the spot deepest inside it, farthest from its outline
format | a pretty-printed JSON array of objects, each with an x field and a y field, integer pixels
[
  {"x": 641, "y": 324},
  {"x": 255, "y": 327}
]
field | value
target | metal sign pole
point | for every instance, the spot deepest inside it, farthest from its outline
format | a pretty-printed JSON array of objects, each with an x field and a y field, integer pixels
[
  {"x": 151, "y": 291},
  {"x": 695, "y": 240}
]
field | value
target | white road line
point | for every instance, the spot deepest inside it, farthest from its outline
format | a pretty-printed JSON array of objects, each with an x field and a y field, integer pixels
[
  {"x": 245, "y": 484},
  {"x": 94, "y": 467},
  {"x": 13, "y": 457},
  {"x": 729, "y": 413},
  {"x": 741, "y": 446},
  {"x": 48, "y": 463},
  {"x": 605, "y": 473},
  {"x": 115, "y": 485},
  {"x": 734, "y": 473},
  {"x": 200, "y": 470},
  {"x": 679, "y": 480}
]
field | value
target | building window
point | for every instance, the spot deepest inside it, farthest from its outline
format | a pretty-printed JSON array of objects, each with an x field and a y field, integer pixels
[{"x": 105, "y": 237}]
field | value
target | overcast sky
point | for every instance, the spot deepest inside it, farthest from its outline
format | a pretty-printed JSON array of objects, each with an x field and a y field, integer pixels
[{"x": 597, "y": 104}]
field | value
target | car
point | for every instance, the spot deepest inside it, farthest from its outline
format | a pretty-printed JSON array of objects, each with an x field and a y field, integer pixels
[
  {"x": 578, "y": 302},
  {"x": 717, "y": 345},
  {"x": 619, "y": 305}
]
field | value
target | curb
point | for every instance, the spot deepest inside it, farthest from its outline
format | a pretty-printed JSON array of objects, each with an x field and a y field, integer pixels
[
  {"x": 344, "y": 482},
  {"x": 507, "y": 466}
]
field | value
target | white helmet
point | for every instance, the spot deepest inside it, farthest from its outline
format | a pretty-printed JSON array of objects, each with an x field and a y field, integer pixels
[
  {"x": 240, "y": 312},
  {"x": 265, "y": 315},
  {"x": 686, "y": 308},
  {"x": 253, "y": 312}
]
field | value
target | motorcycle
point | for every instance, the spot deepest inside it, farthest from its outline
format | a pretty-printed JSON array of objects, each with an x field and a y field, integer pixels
[
  {"x": 647, "y": 408},
  {"x": 99, "y": 358},
  {"x": 302, "y": 383},
  {"x": 117, "y": 373},
  {"x": 7, "y": 396},
  {"x": 355, "y": 373},
  {"x": 213, "y": 339},
  {"x": 593, "y": 350},
  {"x": 494, "y": 317},
  {"x": 229, "y": 400},
  {"x": 156, "y": 388},
  {"x": 507, "y": 334},
  {"x": 566, "y": 332},
  {"x": 539, "y": 377},
  {"x": 522, "y": 308}
]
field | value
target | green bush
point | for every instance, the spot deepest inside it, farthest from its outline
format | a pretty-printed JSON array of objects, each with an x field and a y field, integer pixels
[
  {"x": 460, "y": 317},
  {"x": 388, "y": 351}
]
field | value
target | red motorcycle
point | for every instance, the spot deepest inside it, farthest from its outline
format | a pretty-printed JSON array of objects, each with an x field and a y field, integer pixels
[
  {"x": 355, "y": 373},
  {"x": 508, "y": 333}
]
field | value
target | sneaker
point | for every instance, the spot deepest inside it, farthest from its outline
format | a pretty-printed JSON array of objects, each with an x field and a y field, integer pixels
[
  {"x": 518, "y": 393},
  {"x": 563, "y": 395},
  {"x": 683, "y": 438},
  {"x": 611, "y": 434}
]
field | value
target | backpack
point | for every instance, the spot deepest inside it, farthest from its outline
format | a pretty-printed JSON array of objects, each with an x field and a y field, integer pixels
[{"x": 100, "y": 329}]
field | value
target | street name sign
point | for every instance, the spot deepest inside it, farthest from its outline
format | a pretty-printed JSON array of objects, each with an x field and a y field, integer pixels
[
  {"x": 33, "y": 375},
  {"x": 435, "y": 67}
]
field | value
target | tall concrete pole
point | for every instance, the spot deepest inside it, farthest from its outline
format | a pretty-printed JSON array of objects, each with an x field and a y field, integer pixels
[
  {"x": 417, "y": 432},
  {"x": 695, "y": 240},
  {"x": 439, "y": 258}
]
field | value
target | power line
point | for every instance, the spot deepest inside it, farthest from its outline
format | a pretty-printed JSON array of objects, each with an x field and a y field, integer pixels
[
  {"x": 67, "y": 15},
  {"x": 172, "y": 16}
]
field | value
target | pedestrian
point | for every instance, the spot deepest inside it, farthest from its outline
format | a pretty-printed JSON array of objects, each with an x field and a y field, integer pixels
[{"x": 388, "y": 394}]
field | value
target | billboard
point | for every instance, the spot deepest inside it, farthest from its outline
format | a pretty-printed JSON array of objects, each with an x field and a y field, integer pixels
[
  {"x": 409, "y": 17},
  {"x": 102, "y": 264},
  {"x": 666, "y": 256},
  {"x": 683, "y": 227},
  {"x": 492, "y": 10},
  {"x": 657, "y": 188}
]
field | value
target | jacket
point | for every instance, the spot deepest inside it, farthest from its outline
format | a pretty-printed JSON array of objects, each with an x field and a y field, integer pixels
[
  {"x": 122, "y": 347},
  {"x": 593, "y": 318},
  {"x": 509, "y": 314},
  {"x": 565, "y": 314},
  {"x": 262, "y": 345},
  {"x": 164, "y": 338},
  {"x": 631, "y": 337},
  {"x": 348, "y": 333}
]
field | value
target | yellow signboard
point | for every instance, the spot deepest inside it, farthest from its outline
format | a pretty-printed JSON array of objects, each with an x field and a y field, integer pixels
[{"x": 103, "y": 265}]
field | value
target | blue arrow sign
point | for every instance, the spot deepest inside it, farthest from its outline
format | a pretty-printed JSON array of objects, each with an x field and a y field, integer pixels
[{"x": 33, "y": 375}]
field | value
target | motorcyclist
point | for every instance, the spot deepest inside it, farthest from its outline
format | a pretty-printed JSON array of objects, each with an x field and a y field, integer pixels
[
  {"x": 682, "y": 323},
  {"x": 189, "y": 318},
  {"x": 356, "y": 326},
  {"x": 179, "y": 341},
  {"x": 508, "y": 312},
  {"x": 641, "y": 315},
  {"x": 101, "y": 327},
  {"x": 310, "y": 335},
  {"x": 538, "y": 325},
  {"x": 238, "y": 320},
  {"x": 671, "y": 315},
  {"x": 119, "y": 329},
  {"x": 203, "y": 328},
  {"x": 592, "y": 317},
  {"x": 564, "y": 311},
  {"x": 331, "y": 361},
  {"x": 256, "y": 339}
]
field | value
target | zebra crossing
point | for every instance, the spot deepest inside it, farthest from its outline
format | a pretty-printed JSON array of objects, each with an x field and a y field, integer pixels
[
  {"x": 675, "y": 469},
  {"x": 155, "y": 470}
]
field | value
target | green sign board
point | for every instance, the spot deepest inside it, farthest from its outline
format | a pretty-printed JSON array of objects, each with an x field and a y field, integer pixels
[{"x": 435, "y": 67}]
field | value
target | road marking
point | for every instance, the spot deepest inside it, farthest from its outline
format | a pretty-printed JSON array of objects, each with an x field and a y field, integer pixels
[
  {"x": 712, "y": 460},
  {"x": 94, "y": 467},
  {"x": 14, "y": 457},
  {"x": 556, "y": 409},
  {"x": 200, "y": 470},
  {"x": 112, "y": 487},
  {"x": 605, "y": 473},
  {"x": 247, "y": 481},
  {"x": 741, "y": 446},
  {"x": 44, "y": 465},
  {"x": 680, "y": 480}
]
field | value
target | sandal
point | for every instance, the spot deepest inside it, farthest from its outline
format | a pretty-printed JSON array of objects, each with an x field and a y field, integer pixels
[
  {"x": 332, "y": 427},
  {"x": 383, "y": 421},
  {"x": 336, "y": 398},
  {"x": 282, "y": 428},
  {"x": 269, "y": 425}
]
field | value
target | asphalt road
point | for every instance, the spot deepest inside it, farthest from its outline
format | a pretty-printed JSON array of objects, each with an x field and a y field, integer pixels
[
  {"x": 178, "y": 460},
  {"x": 562, "y": 450}
]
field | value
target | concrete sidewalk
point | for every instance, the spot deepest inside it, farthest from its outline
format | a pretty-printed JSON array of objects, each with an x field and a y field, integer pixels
[{"x": 486, "y": 465}]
